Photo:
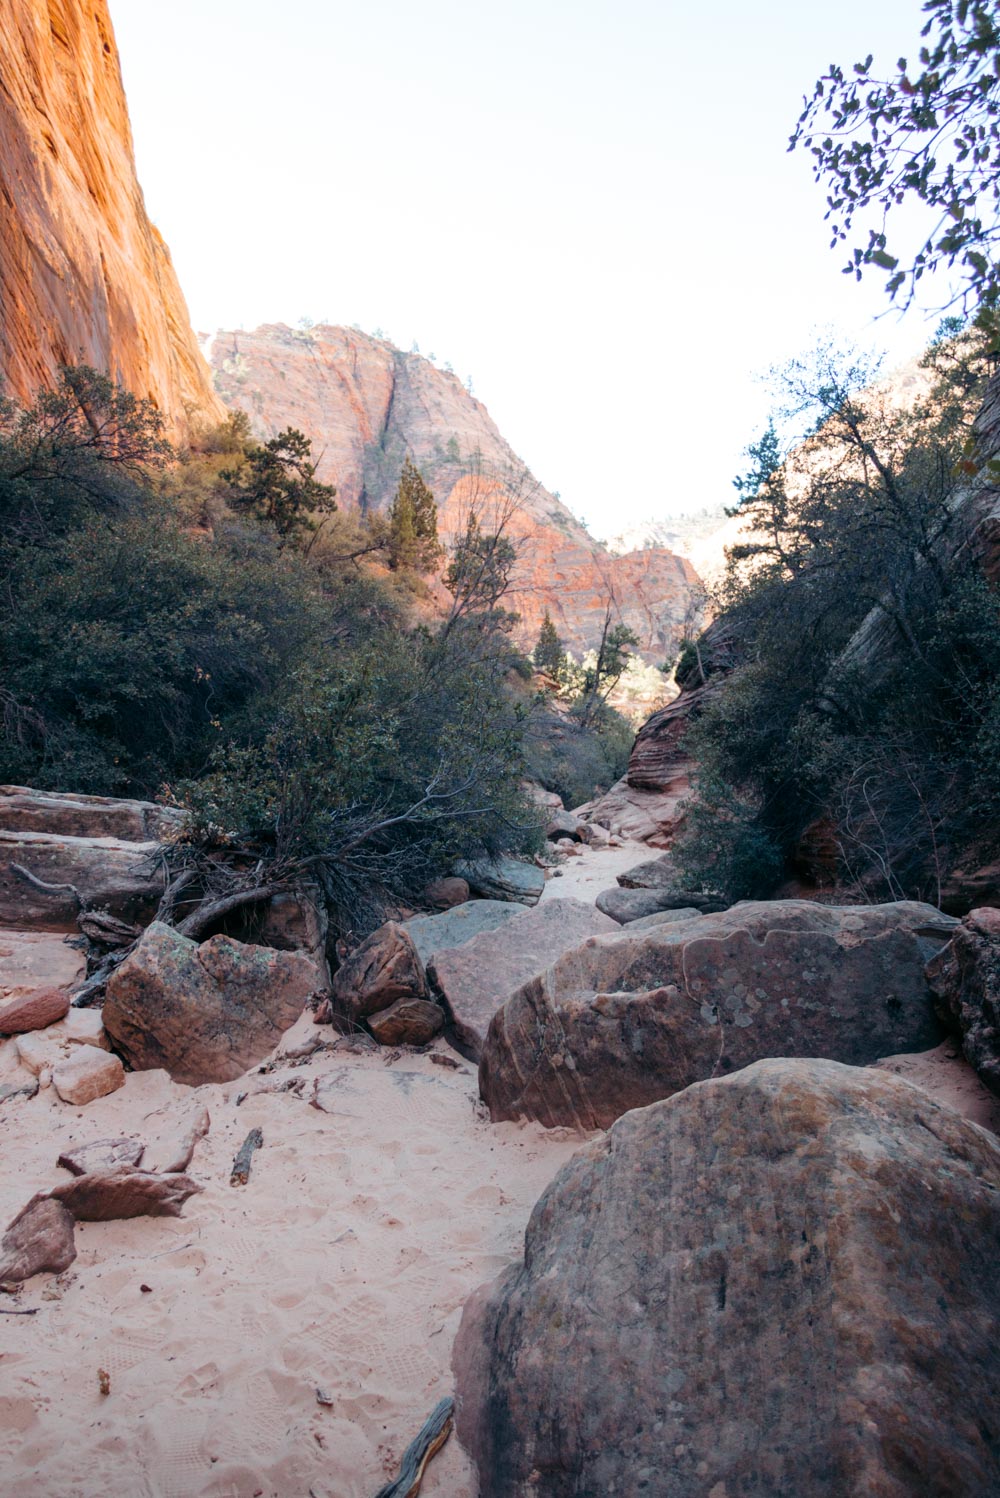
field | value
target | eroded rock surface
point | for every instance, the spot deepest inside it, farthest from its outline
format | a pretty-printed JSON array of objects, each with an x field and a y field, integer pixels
[
  {"x": 435, "y": 933},
  {"x": 965, "y": 979},
  {"x": 780, "y": 1282},
  {"x": 475, "y": 979},
  {"x": 628, "y": 1019},
  {"x": 121, "y": 877},
  {"x": 204, "y": 1013}
]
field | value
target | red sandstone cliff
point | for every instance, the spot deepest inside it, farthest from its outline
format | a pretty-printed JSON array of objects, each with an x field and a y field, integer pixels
[
  {"x": 84, "y": 276},
  {"x": 366, "y": 405}
]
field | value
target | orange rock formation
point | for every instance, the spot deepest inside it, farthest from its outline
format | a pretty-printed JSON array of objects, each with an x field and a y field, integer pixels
[
  {"x": 84, "y": 276},
  {"x": 366, "y": 405}
]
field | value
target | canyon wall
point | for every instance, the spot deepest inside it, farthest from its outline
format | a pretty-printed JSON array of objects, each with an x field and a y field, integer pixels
[
  {"x": 366, "y": 405},
  {"x": 85, "y": 278}
]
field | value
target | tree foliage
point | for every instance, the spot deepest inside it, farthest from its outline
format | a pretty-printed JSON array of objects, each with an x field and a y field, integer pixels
[
  {"x": 548, "y": 653},
  {"x": 413, "y": 535},
  {"x": 870, "y": 642},
  {"x": 276, "y": 485},
  {"x": 929, "y": 132}
]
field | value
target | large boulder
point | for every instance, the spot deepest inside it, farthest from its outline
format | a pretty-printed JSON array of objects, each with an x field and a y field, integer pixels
[
  {"x": 203, "y": 1013},
  {"x": 628, "y": 1019},
  {"x": 434, "y": 933},
  {"x": 124, "y": 878},
  {"x": 503, "y": 879},
  {"x": 384, "y": 968},
  {"x": 779, "y": 1282},
  {"x": 965, "y": 981},
  {"x": 473, "y": 980}
]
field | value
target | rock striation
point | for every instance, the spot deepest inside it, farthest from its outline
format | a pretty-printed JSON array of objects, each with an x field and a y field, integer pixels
[
  {"x": 625, "y": 1020},
  {"x": 85, "y": 278},
  {"x": 777, "y": 1282},
  {"x": 366, "y": 404}
]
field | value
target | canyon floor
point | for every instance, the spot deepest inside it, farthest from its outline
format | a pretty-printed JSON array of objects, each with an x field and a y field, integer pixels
[
  {"x": 290, "y": 1336},
  {"x": 342, "y": 1266}
]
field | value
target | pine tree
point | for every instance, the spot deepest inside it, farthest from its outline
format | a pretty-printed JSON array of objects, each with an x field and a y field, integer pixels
[
  {"x": 549, "y": 654},
  {"x": 413, "y": 537}
]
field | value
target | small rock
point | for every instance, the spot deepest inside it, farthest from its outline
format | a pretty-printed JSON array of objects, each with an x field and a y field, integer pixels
[
  {"x": 445, "y": 894},
  {"x": 596, "y": 835},
  {"x": 81, "y": 1027},
  {"x": 8, "y": 1091},
  {"x": 87, "y": 1074},
  {"x": 33, "y": 1011},
  {"x": 38, "y": 1052},
  {"x": 101, "y": 1155},
  {"x": 125, "y": 1192},
  {"x": 40, "y": 1239},
  {"x": 407, "y": 1022},
  {"x": 563, "y": 824},
  {"x": 174, "y": 1155}
]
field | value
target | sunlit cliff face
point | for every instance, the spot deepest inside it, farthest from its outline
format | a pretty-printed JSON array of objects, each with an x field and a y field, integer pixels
[{"x": 84, "y": 276}]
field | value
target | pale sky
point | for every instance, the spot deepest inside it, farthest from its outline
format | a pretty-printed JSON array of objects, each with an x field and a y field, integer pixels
[{"x": 587, "y": 206}]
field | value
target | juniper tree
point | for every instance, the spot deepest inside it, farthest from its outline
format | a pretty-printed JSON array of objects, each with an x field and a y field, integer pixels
[{"x": 413, "y": 537}]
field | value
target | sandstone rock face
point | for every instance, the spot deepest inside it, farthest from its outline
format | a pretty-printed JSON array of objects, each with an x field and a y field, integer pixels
[
  {"x": 366, "y": 404},
  {"x": 474, "y": 980},
  {"x": 33, "y": 1011},
  {"x": 664, "y": 918},
  {"x": 203, "y": 1013},
  {"x": 434, "y": 933},
  {"x": 384, "y": 968},
  {"x": 780, "y": 1282},
  {"x": 39, "y": 1240},
  {"x": 87, "y": 1074},
  {"x": 84, "y": 276},
  {"x": 123, "y": 877},
  {"x": 965, "y": 980},
  {"x": 25, "y": 810},
  {"x": 503, "y": 879},
  {"x": 628, "y": 1019}
]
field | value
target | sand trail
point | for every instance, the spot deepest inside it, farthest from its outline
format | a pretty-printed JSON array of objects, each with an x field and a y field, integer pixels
[{"x": 342, "y": 1267}]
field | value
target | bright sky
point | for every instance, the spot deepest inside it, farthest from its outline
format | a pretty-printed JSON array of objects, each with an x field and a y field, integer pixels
[{"x": 587, "y": 205}]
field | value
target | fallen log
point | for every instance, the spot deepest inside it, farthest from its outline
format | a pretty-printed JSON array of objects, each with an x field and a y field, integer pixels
[
  {"x": 426, "y": 1444},
  {"x": 241, "y": 1165}
]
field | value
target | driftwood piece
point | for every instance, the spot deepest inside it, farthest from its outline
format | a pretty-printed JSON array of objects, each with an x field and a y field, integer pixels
[
  {"x": 426, "y": 1444},
  {"x": 198, "y": 922},
  {"x": 241, "y": 1165}
]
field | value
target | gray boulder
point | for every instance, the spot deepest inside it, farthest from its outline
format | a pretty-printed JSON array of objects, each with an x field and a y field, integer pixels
[
  {"x": 663, "y": 918},
  {"x": 631, "y": 1018},
  {"x": 473, "y": 980},
  {"x": 627, "y": 905},
  {"x": 433, "y": 933},
  {"x": 503, "y": 879},
  {"x": 781, "y": 1282}
]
